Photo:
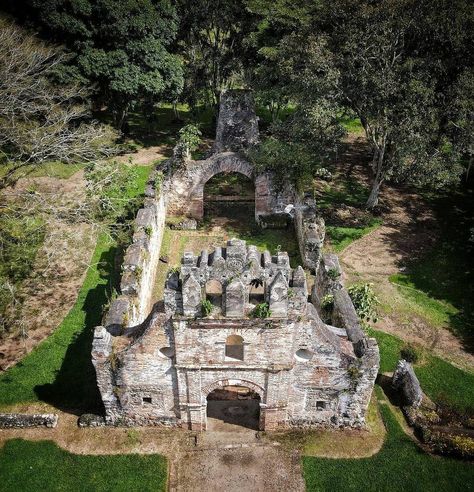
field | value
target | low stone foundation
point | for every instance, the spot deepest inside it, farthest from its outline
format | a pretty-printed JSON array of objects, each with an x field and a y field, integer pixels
[{"x": 23, "y": 420}]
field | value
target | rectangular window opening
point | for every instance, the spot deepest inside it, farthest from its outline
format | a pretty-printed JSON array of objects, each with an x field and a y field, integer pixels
[
  {"x": 320, "y": 405},
  {"x": 147, "y": 399}
]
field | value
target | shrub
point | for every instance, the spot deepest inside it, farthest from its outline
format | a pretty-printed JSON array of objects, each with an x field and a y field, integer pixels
[
  {"x": 206, "y": 307},
  {"x": 333, "y": 273},
  {"x": 365, "y": 301},
  {"x": 262, "y": 310},
  {"x": 409, "y": 353},
  {"x": 327, "y": 302},
  {"x": 188, "y": 141}
]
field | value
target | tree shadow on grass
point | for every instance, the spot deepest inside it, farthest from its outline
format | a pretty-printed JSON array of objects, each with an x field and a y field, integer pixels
[{"x": 75, "y": 388}]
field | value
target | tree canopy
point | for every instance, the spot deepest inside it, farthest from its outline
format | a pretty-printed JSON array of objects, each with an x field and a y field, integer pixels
[{"x": 120, "y": 46}]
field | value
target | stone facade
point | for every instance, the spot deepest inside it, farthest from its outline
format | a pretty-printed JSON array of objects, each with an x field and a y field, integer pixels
[
  {"x": 307, "y": 373},
  {"x": 157, "y": 365}
]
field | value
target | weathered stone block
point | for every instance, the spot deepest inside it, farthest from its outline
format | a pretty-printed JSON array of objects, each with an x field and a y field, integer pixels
[{"x": 404, "y": 380}]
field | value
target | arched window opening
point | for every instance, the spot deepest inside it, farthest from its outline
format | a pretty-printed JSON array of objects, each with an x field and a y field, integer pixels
[
  {"x": 256, "y": 291},
  {"x": 214, "y": 296},
  {"x": 229, "y": 198},
  {"x": 234, "y": 347}
]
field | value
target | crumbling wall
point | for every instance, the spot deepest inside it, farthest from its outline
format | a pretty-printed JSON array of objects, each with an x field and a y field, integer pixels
[
  {"x": 310, "y": 232},
  {"x": 140, "y": 262},
  {"x": 237, "y": 124},
  {"x": 405, "y": 381},
  {"x": 23, "y": 420}
]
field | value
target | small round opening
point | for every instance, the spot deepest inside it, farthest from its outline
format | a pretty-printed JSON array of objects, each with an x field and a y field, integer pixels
[
  {"x": 167, "y": 352},
  {"x": 303, "y": 355}
]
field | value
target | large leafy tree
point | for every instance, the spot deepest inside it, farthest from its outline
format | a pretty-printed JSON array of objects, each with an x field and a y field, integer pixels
[
  {"x": 404, "y": 68},
  {"x": 213, "y": 44},
  {"x": 295, "y": 68},
  {"x": 121, "y": 46},
  {"x": 397, "y": 83}
]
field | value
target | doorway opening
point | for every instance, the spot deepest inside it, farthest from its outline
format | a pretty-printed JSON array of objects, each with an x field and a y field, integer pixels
[
  {"x": 231, "y": 408},
  {"x": 229, "y": 200}
]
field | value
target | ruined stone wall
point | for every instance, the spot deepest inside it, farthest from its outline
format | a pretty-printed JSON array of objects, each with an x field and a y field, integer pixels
[
  {"x": 185, "y": 189},
  {"x": 140, "y": 262},
  {"x": 310, "y": 233},
  {"x": 237, "y": 124}
]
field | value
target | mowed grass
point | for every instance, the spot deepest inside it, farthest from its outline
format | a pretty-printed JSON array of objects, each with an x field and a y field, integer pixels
[
  {"x": 341, "y": 237},
  {"x": 399, "y": 466},
  {"x": 59, "y": 370},
  {"x": 31, "y": 466},
  {"x": 439, "y": 379}
]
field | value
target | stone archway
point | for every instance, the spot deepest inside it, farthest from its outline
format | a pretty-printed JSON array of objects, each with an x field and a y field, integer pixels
[
  {"x": 185, "y": 192},
  {"x": 232, "y": 403}
]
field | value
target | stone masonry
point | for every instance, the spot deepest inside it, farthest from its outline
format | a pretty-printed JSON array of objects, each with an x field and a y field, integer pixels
[
  {"x": 157, "y": 363},
  {"x": 307, "y": 373}
]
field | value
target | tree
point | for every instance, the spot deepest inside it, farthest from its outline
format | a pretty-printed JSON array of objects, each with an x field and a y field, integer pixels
[
  {"x": 394, "y": 79},
  {"x": 121, "y": 46},
  {"x": 301, "y": 71},
  {"x": 213, "y": 45},
  {"x": 41, "y": 121}
]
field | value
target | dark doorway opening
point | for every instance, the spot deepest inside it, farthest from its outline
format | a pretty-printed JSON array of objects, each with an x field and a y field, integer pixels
[
  {"x": 229, "y": 199},
  {"x": 233, "y": 407}
]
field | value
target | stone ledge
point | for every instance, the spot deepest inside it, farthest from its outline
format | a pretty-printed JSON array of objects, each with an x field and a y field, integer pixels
[{"x": 23, "y": 420}]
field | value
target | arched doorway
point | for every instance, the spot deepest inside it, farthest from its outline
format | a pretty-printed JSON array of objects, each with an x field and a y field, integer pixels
[
  {"x": 229, "y": 199},
  {"x": 231, "y": 408}
]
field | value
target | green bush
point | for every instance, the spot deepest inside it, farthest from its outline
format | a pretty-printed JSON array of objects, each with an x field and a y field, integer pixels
[
  {"x": 206, "y": 307},
  {"x": 365, "y": 301},
  {"x": 262, "y": 310},
  {"x": 327, "y": 302}
]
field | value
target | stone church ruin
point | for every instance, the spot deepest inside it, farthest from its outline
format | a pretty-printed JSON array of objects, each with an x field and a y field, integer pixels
[{"x": 170, "y": 361}]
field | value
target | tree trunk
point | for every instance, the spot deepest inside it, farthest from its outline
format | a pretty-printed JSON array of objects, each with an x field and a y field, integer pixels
[
  {"x": 373, "y": 199},
  {"x": 378, "y": 166}
]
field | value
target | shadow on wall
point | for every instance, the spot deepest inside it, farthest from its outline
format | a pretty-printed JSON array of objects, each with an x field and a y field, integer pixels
[{"x": 75, "y": 387}]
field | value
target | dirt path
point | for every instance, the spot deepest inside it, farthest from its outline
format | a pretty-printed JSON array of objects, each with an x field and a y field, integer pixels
[
  {"x": 257, "y": 468},
  {"x": 408, "y": 229},
  {"x": 147, "y": 155}
]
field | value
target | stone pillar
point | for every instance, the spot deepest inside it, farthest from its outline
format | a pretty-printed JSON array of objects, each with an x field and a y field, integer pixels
[{"x": 237, "y": 125}]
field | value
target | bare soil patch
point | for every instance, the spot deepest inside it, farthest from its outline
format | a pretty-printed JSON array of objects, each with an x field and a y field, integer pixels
[
  {"x": 147, "y": 155},
  {"x": 60, "y": 266},
  {"x": 409, "y": 229}
]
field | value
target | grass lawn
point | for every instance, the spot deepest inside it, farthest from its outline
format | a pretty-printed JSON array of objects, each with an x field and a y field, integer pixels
[
  {"x": 399, "y": 465},
  {"x": 29, "y": 466},
  {"x": 342, "y": 191},
  {"x": 441, "y": 282},
  {"x": 439, "y": 379},
  {"x": 341, "y": 237},
  {"x": 59, "y": 370}
]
